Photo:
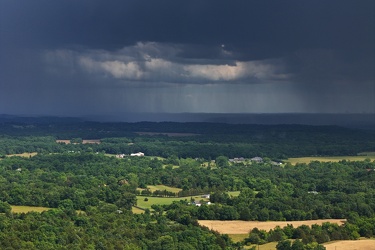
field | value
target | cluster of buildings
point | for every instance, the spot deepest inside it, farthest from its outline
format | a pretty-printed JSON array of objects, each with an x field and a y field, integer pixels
[
  {"x": 133, "y": 154},
  {"x": 241, "y": 159}
]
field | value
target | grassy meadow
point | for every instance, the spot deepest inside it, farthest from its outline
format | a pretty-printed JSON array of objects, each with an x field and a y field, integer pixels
[{"x": 157, "y": 201}]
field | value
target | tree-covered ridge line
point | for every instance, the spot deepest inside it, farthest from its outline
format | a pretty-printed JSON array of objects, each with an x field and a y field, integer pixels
[{"x": 276, "y": 142}]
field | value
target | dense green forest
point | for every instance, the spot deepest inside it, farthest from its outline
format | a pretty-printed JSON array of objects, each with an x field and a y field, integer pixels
[
  {"x": 202, "y": 140},
  {"x": 92, "y": 192}
]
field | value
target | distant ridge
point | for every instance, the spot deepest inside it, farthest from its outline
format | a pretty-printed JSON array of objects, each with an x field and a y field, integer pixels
[{"x": 363, "y": 121}]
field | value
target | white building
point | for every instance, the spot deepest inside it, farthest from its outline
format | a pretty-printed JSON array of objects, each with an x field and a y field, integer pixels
[{"x": 138, "y": 154}]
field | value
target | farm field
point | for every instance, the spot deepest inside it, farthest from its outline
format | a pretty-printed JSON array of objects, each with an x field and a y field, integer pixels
[
  {"x": 26, "y": 209},
  {"x": 163, "y": 187},
  {"x": 307, "y": 160},
  {"x": 156, "y": 200},
  {"x": 244, "y": 227},
  {"x": 162, "y": 200},
  {"x": 27, "y": 155},
  {"x": 366, "y": 244}
]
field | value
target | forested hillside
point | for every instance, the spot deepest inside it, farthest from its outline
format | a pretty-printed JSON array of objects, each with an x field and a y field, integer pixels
[{"x": 91, "y": 193}]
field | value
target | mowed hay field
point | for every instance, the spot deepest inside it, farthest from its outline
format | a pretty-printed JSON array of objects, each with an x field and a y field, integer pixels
[
  {"x": 244, "y": 227},
  {"x": 307, "y": 160},
  {"x": 367, "y": 244}
]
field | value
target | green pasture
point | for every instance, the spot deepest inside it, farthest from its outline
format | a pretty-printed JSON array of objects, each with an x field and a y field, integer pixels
[
  {"x": 307, "y": 160},
  {"x": 26, "y": 209},
  {"x": 163, "y": 200},
  {"x": 157, "y": 201},
  {"x": 163, "y": 187}
]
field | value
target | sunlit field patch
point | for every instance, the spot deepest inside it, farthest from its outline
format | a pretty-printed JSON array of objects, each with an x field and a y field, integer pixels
[
  {"x": 27, "y": 155},
  {"x": 26, "y": 209}
]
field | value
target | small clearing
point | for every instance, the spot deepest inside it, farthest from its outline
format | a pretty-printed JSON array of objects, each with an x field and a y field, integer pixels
[{"x": 244, "y": 227}]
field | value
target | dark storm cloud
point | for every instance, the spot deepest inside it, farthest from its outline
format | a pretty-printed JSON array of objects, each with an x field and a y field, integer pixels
[
  {"x": 95, "y": 48},
  {"x": 271, "y": 27}
]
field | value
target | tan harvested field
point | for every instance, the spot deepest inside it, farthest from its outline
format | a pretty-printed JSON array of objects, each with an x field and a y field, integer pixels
[
  {"x": 368, "y": 244},
  {"x": 94, "y": 141},
  {"x": 167, "y": 134},
  {"x": 307, "y": 160},
  {"x": 244, "y": 227}
]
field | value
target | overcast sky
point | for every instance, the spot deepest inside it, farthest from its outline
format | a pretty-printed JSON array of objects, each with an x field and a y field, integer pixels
[{"x": 84, "y": 57}]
